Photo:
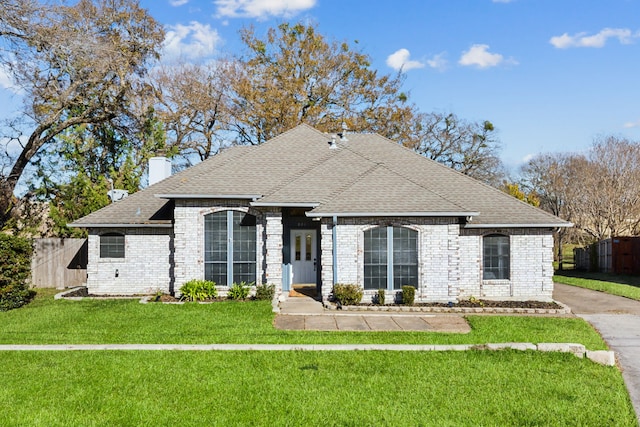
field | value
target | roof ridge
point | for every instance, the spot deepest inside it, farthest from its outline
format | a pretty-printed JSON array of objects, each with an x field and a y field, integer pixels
[
  {"x": 408, "y": 177},
  {"x": 312, "y": 165},
  {"x": 348, "y": 184},
  {"x": 477, "y": 181}
]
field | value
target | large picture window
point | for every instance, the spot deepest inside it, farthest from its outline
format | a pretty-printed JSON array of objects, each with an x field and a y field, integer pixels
[
  {"x": 496, "y": 256},
  {"x": 390, "y": 258},
  {"x": 112, "y": 245},
  {"x": 230, "y": 247}
]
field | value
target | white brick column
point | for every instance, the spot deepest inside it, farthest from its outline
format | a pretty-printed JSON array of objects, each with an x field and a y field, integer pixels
[
  {"x": 453, "y": 234},
  {"x": 273, "y": 249},
  {"x": 326, "y": 257}
]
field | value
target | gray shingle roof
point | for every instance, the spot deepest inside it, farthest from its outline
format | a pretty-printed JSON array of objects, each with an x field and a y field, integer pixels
[{"x": 366, "y": 175}]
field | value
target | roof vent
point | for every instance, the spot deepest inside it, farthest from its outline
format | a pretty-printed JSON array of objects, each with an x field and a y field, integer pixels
[
  {"x": 343, "y": 134},
  {"x": 332, "y": 143}
]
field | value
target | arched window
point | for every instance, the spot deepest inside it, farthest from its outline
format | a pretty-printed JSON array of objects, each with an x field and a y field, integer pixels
[
  {"x": 390, "y": 258},
  {"x": 496, "y": 257},
  {"x": 112, "y": 245},
  {"x": 230, "y": 247}
]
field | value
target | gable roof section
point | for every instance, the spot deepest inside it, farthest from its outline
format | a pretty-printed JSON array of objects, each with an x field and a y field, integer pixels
[{"x": 367, "y": 175}]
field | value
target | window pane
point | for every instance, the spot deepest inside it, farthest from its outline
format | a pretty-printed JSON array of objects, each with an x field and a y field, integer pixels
[
  {"x": 405, "y": 257},
  {"x": 496, "y": 257},
  {"x": 216, "y": 272},
  {"x": 244, "y": 272},
  {"x": 298, "y": 247},
  {"x": 375, "y": 258},
  {"x": 244, "y": 247},
  {"x": 112, "y": 246},
  {"x": 307, "y": 247},
  {"x": 215, "y": 237}
]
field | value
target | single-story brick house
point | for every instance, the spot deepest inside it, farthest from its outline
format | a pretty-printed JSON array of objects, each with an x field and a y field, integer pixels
[{"x": 310, "y": 208}]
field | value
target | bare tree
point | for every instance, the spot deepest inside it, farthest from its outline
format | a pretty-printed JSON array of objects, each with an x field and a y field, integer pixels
[
  {"x": 599, "y": 192},
  {"x": 194, "y": 106},
  {"x": 608, "y": 188},
  {"x": 550, "y": 177},
  {"x": 469, "y": 147},
  {"x": 74, "y": 64}
]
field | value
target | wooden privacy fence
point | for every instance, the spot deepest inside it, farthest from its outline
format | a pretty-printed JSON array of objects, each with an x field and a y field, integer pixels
[
  {"x": 618, "y": 255},
  {"x": 59, "y": 263}
]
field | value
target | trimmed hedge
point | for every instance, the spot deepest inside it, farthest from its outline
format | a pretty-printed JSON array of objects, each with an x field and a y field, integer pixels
[{"x": 15, "y": 269}]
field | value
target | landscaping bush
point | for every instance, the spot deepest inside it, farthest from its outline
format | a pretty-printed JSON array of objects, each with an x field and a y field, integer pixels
[
  {"x": 15, "y": 268},
  {"x": 408, "y": 294},
  {"x": 198, "y": 290},
  {"x": 347, "y": 294},
  {"x": 265, "y": 292},
  {"x": 239, "y": 291}
]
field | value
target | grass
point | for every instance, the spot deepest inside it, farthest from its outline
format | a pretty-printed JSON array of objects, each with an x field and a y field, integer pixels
[
  {"x": 310, "y": 388},
  {"x": 621, "y": 285},
  {"x": 49, "y": 321},
  {"x": 292, "y": 388}
]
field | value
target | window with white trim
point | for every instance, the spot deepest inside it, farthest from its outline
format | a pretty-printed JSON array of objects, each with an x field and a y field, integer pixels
[
  {"x": 230, "y": 247},
  {"x": 112, "y": 245},
  {"x": 496, "y": 257},
  {"x": 390, "y": 258}
]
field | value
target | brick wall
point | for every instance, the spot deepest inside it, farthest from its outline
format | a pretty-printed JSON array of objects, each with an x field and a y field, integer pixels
[
  {"x": 449, "y": 264},
  {"x": 189, "y": 238},
  {"x": 450, "y": 260},
  {"x": 531, "y": 266},
  {"x": 145, "y": 268}
]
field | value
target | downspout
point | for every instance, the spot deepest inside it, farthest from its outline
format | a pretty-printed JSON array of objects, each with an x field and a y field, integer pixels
[{"x": 334, "y": 238}]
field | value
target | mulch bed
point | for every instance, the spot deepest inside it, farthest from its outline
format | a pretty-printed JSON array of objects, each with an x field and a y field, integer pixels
[
  {"x": 481, "y": 304},
  {"x": 478, "y": 303}
]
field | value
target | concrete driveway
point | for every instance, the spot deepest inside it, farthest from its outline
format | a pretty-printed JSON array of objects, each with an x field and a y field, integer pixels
[{"x": 618, "y": 321}]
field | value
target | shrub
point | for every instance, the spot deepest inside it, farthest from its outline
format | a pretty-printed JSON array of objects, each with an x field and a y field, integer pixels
[
  {"x": 15, "y": 268},
  {"x": 265, "y": 292},
  {"x": 239, "y": 291},
  {"x": 380, "y": 297},
  {"x": 408, "y": 294},
  {"x": 347, "y": 294},
  {"x": 198, "y": 290}
]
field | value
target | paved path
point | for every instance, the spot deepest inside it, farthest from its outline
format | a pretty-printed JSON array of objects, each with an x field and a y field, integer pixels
[
  {"x": 303, "y": 313},
  {"x": 618, "y": 321}
]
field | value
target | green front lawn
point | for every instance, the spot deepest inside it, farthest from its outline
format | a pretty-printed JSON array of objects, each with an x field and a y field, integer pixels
[
  {"x": 624, "y": 286},
  {"x": 51, "y": 388},
  {"x": 309, "y": 388},
  {"x": 49, "y": 321}
]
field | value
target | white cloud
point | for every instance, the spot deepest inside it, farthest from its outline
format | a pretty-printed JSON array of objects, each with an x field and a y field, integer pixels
[
  {"x": 438, "y": 62},
  {"x": 193, "y": 41},
  {"x": 262, "y": 9},
  {"x": 565, "y": 41},
  {"x": 528, "y": 157},
  {"x": 635, "y": 124},
  {"x": 178, "y": 2},
  {"x": 399, "y": 60},
  {"x": 479, "y": 56}
]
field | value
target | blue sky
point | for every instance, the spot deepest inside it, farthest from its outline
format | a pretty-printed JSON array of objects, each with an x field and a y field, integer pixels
[{"x": 550, "y": 74}]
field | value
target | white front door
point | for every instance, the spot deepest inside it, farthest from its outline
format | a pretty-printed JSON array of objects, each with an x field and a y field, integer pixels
[{"x": 303, "y": 256}]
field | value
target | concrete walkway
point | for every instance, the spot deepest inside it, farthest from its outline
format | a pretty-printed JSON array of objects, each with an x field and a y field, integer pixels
[
  {"x": 304, "y": 313},
  {"x": 618, "y": 321}
]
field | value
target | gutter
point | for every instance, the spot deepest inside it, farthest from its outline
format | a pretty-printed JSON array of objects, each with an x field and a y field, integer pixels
[
  {"x": 253, "y": 197},
  {"x": 147, "y": 225},
  {"x": 379, "y": 214},
  {"x": 476, "y": 225}
]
